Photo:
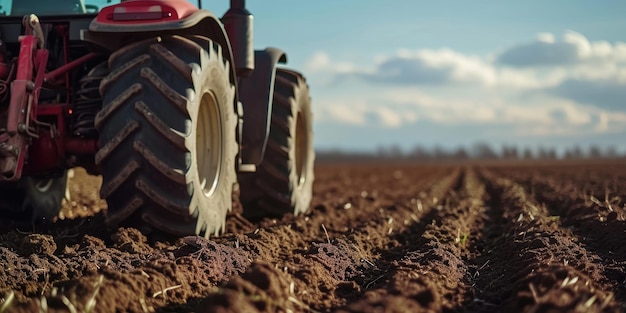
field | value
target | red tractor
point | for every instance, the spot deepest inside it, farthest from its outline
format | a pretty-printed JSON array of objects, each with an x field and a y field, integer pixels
[{"x": 170, "y": 104}]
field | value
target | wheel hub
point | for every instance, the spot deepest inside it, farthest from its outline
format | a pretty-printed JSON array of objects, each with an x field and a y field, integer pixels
[
  {"x": 302, "y": 144},
  {"x": 209, "y": 144}
]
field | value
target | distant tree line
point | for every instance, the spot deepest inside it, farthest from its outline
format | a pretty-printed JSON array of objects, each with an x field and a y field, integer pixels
[{"x": 479, "y": 151}]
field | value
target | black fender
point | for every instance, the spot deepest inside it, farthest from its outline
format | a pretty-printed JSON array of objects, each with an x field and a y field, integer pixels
[
  {"x": 256, "y": 94},
  {"x": 107, "y": 37}
]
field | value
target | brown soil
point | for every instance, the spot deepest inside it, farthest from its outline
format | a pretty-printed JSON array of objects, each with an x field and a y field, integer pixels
[{"x": 387, "y": 238}]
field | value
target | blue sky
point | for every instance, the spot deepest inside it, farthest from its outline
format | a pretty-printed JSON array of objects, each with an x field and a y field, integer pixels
[{"x": 448, "y": 73}]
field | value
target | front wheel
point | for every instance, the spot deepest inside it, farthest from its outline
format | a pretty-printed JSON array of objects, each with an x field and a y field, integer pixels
[
  {"x": 283, "y": 182},
  {"x": 36, "y": 197},
  {"x": 168, "y": 136},
  {"x": 43, "y": 196}
]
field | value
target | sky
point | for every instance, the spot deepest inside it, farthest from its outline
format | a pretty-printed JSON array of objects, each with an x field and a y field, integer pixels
[{"x": 448, "y": 73}]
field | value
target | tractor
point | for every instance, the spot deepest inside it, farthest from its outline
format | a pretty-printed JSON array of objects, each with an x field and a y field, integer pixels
[{"x": 170, "y": 104}]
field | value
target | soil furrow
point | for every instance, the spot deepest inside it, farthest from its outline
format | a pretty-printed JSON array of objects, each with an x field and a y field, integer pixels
[
  {"x": 428, "y": 271},
  {"x": 531, "y": 263},
  {"x": 387, "y": 237},
  {"x": 320, "y": 271},
  {"x": 598, "y": 225},
  {"x": 338, "y": 261}
]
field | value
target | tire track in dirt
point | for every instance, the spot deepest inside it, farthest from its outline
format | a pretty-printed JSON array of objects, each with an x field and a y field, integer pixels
[{"x": 531, "y": 263}]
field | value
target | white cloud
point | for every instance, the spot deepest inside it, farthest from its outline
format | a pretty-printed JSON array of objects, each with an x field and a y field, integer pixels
[
  {"x": 489, "y": 110},
  {"x": 572, "y": 67},
  {"x": 542, "y": 63},
  {"x": 610, "y": 122},
  {"x": 445, "y": 111},
  {"x": 567, "y": 86},
  {"x": 545, "y": 37},
  {"x": 347, "y": 114},
  {"x": 365, "y": 114},
  {"x": 537, "y": 116},
  {"x": 572, "y": 49},
  {"x": 542, "y": 52},
  {"x": 393, "y": 119},
  {"x": 319, "y": 60},
  {"x": 602, "y": 93},
  {"x": 430, "y": 67}
]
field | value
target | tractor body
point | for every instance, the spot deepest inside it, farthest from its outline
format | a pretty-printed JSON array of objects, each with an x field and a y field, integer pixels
[{"x": 65, "y": 71}]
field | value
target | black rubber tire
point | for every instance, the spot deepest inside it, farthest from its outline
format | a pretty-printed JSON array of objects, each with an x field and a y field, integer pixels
[
  {"x": 283, "y": 182},
  {"x": 44, "y": 196},
  {"x": 166, "y": 102},
  {"x": 35, "y": 198}
]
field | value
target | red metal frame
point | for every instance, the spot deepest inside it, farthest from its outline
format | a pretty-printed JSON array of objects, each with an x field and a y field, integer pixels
[
  {"x": 47, "y": 144},
  {"x": 52, "y": 75},
  {"x": 23, "y": 84},
  {"x": 22, "y": 101}
]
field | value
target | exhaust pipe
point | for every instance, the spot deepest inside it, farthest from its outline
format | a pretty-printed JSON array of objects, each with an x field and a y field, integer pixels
[{"x": 238, "y": 22}]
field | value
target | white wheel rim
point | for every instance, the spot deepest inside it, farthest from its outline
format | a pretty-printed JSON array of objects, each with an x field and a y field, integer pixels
[
  {"x": 302, "y": 145},
  {"x": 209, "y": 144}
]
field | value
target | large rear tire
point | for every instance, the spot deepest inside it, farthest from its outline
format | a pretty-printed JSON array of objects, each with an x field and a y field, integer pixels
[
  {"x": 283, "y": 181},
  {"x": 168, "y": 137}
]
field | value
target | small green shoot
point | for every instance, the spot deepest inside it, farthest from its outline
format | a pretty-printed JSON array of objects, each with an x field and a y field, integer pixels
[
  {"x": 461, "y": 239},
  {"x": 464, "y": 240}
]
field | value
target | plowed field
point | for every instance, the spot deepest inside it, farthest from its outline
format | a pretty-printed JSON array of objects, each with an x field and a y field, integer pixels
[{"x": 385, "y": 238}]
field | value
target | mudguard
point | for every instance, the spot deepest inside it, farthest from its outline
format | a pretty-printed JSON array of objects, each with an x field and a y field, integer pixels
[
  {"x": 256, "y": 94},
  {"x": 112, "y": 35}
]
